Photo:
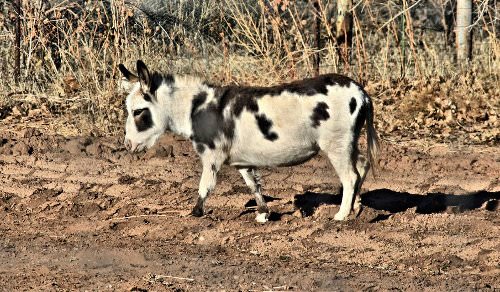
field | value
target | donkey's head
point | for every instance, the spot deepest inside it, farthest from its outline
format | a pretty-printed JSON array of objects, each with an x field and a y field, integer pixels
[{"x": 145, "y": 121}]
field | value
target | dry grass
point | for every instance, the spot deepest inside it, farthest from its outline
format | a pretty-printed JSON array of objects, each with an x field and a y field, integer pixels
[{"x": 71, "y": 51}]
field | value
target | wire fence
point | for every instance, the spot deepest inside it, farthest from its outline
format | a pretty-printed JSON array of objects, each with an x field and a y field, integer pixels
[{"x": 395, "y": 34}]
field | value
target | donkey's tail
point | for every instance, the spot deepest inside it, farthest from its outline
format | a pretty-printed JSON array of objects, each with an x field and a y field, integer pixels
[{"x": 372, "y": 138}]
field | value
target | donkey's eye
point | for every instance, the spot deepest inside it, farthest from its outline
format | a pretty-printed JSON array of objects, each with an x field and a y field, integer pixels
[{"x": 138, "y": 112}]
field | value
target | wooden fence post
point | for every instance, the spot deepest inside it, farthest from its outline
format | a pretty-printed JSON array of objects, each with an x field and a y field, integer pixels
[
  {"x": 17, "y": 48},
  {"x": 317, "y": 17},
  {"x": 344, "y": 25},
  {"x": 463, "y": 31}
]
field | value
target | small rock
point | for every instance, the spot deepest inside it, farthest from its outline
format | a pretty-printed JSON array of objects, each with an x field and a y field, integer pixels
[
  {"x": 94, "y": 149},
  {"x": 74, "y": 147},
  {"x": 16, "y": 112},
  {"x": 34, "y": 112},
  {"x": 21, "y": 149},
  {"x": 159, "y": 151},
  {"x": 127, "y": 179},
  {"x": 297, "y": 213}
]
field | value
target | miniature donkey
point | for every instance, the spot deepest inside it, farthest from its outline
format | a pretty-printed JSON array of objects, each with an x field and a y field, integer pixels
[{"x": 252, "y": 127}]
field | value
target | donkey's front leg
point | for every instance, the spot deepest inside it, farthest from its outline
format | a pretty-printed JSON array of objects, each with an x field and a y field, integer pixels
[
  {"x": 211, "y": 166},
  {"x": 207, "y": 185}
]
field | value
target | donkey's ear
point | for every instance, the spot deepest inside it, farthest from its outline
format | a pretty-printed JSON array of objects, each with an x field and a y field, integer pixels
[
  {"x": 128, "y": 80},
  {"x": 127, "y": 74},
  {"x": 144, "y": 76}
]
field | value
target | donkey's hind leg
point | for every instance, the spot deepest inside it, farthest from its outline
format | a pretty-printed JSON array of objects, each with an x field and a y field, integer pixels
[
  {"x": 341, "y": 158},
  {"x": 252, "y": 179},
  {"x": 362, "y": 165}
]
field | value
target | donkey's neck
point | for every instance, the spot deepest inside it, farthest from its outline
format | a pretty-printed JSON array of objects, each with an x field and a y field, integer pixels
[{"x": 177, "y": 100}]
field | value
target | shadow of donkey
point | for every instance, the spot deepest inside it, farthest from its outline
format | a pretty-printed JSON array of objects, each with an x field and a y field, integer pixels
[{"x": 396, "y": 202}]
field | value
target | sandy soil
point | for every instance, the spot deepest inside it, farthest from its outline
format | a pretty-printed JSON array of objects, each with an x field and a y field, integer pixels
[{"x": 83, "y": 214}]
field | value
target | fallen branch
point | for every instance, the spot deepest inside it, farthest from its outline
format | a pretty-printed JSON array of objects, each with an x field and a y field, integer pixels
[
  {"x": 160, "y": 277},
  {"x": 145, "y": 215}
]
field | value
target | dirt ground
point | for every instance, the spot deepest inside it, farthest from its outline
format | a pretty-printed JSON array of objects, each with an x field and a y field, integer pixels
[{"x": 83, "y": 214}]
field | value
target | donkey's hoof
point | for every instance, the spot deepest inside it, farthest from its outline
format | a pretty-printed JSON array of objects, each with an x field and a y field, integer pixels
[
  {"x": 197, "y": 212},
  {"x": 262, "y": 217},
  {"x": 357, "y": 210}
]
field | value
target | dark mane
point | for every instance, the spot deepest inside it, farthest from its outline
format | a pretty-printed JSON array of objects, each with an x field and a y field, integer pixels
[{"x": 158, "y": 79}]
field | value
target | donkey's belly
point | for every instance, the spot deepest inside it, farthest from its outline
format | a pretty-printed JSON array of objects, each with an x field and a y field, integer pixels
[{"x": 272, "y": 156}]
